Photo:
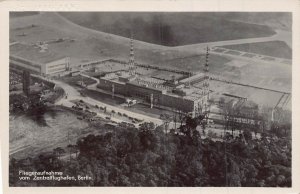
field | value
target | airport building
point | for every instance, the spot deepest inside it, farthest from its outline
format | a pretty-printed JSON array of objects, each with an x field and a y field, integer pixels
[
  {"x": 180, "y": 97},
  {"x": 178, "y": 94},
  {"x": 172, "y": 90},
  {"x": 38, "y": 60}
]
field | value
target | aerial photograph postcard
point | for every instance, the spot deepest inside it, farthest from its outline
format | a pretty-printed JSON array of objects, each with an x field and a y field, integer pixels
[{"x": 150, "y": 99}]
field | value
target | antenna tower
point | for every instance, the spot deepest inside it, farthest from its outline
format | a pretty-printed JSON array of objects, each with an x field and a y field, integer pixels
[{"x": 131, "y": 63}]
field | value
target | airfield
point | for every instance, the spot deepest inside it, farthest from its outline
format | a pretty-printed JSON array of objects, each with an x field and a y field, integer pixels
[{"x": 233, "y": 69}]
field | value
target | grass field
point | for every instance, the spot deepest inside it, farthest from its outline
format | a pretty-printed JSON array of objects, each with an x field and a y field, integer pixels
[
  {"x": 27, "y": 137},
  {"x": 271, "y": 48},
  {"x": 166, "y": 75},
  {"x": 87, "y": 45},
  {"x": 196, "y": 63},
  {"x": 72, "y": 80},
  {"x": 248, "y": 55},
  {"x": 219, "y": 50},
  {"x": 262, "y": 97},
  {"x": 169, "y": 29},
  {"x": 233, "y": 52},
  {"x": 273, "y": 76},
  {"x": 111, "y": 67}
]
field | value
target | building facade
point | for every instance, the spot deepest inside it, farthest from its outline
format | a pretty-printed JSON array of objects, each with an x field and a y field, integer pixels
[
  {"x": 38, "y": 61},
  {"x": 159, "y": 97},
  {"x": 56, "y": 67},
  {"x": 48, "y": 68}
]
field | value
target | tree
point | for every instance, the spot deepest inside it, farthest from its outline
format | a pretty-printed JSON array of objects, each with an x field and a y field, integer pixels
[
  {"x": 146, "y": 157},
  {"x": 59, "y": 151},
  {"x": 221, "y": 101},
  {"x": 148, "y": 139},
  {"x": 147, "y": 126},
  {"x": 181, "y": 117},
  {"x": 73, "y": 149},
  {"x": 166, "y": 119},
  {"x": 227, "y": 111},
  {"x": 113, "y": 112},
  {"x": 247, "y": 135}
]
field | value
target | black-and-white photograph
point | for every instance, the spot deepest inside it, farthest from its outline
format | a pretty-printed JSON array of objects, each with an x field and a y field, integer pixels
[{"x": 150, "y": 99}]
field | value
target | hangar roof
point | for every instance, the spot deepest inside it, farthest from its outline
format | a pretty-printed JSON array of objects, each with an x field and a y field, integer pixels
[{"x": 34, "y": 54}]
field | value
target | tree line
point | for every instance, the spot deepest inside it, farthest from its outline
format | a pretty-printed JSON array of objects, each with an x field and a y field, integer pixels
[{"x": 149, "y": 156}]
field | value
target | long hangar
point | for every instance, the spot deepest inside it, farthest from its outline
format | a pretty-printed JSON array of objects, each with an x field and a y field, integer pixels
[{"x": 37, "y": 60}]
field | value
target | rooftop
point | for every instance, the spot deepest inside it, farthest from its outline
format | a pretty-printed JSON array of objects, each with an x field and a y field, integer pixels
[
  {"x": 157, "y": 87},
  {"x": 196, "y": 96},
  {"x": 34, "y": 54},
  {"x": 192, "y": 78}
]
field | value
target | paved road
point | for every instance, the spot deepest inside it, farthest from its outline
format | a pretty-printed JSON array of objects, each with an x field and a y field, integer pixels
[
  {"x": 133, "y": 114},
  {"x": 92, "y": 86},
  {"x": 73, "y": 94}
]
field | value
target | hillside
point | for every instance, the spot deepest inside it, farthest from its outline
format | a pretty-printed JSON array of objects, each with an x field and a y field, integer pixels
[{"x": 168, "y": 29}]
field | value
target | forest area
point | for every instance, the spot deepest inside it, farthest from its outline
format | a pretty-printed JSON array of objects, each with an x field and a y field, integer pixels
[{"x": 150, "y": 157}]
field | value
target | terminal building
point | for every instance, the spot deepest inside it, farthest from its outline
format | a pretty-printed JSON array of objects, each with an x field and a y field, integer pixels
[
  {"x": 178, "y": 95},
  {"x": 37, "y": 60}
]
